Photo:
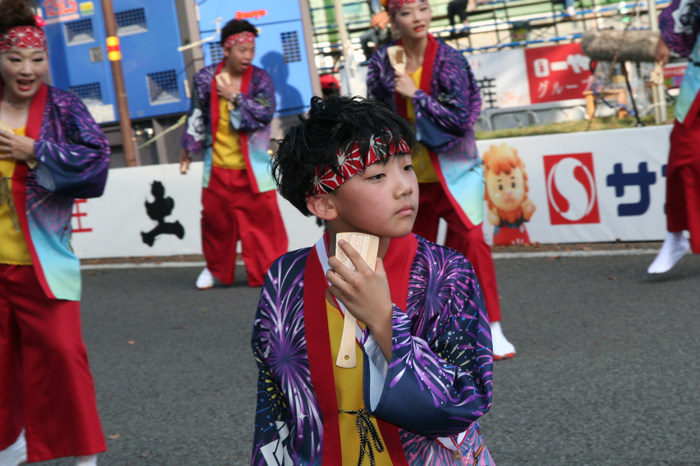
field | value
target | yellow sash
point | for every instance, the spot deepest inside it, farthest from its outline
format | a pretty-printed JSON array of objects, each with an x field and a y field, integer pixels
[
  {"x": 227, "y": 149},
  {"x": 422, "y": 164},
  {"x": 348, "y": 389},
  {"x": 13, "y": 247}
]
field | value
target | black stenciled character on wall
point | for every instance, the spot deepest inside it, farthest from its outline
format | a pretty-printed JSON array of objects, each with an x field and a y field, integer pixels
[{"x": 157, "y": 210}]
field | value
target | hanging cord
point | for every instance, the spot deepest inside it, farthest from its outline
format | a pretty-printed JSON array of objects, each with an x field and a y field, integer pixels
[
  {"x": 6, "y": 196},
  {"x": 368, "y": 435},
  {"x": 608, "y": 76}
]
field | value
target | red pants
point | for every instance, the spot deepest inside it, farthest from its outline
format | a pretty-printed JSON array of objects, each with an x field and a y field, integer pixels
[
  {"x": 683, "y": 182},
  {"x": 45, "y": 382},
  {"x": 231, "y": 211},
  {"x": 434, "y": 205}
]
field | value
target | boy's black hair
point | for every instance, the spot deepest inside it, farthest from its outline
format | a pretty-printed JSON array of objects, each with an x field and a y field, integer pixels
[
  {"x": 234, "y": 27},
  {"x": 15, "y": 13},
  {"x": 331, "y": 123}
]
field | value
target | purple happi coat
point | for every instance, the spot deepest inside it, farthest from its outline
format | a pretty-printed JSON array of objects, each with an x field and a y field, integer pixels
[
  {"x": 437, "y": 384},
  {"x": 73, "y": 155},
  {"x": 251, "y": 118},
  {"x": 445, "y": 117}
]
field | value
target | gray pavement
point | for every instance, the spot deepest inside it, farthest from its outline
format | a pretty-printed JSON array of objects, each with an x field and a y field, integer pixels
[{"x": 607, "y": 370}]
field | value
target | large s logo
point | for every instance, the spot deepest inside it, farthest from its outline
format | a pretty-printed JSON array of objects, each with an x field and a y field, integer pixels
[{"x": 571, "y": 189}]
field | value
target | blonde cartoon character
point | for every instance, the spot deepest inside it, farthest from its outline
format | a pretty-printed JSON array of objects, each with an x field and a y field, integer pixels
[{"x": 506, "y": 194}]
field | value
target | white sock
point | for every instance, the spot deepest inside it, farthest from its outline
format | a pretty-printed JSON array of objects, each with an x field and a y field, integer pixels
[
  {"x": 502, "y": 348},
  {"x": 86, "y": 460},
  {"x": 674, "y": 248},
  {"x": 205, "y": 280},
  {"x": 16, "y": 453}
]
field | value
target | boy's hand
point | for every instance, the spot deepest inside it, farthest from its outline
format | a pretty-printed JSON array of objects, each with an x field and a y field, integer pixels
[{"x": 364, "y": 292}]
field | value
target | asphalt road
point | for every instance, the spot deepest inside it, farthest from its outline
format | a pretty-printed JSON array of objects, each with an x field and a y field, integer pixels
[{"x": 607, "y": 370}]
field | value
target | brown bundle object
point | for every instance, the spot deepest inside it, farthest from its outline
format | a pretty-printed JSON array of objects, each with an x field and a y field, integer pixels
[{"x": 638, "y": 46}]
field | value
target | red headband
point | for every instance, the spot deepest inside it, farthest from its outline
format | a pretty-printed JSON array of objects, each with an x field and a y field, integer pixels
[
  {"x": 350, "y": 163},
  {"x": 241, "y": 37},
  {"x": 393, "y": 6},
  {"x": 25, "y": 37}
]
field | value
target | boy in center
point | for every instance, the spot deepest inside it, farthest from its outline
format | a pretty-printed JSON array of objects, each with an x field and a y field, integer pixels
[{"x": 423, "y": 346}]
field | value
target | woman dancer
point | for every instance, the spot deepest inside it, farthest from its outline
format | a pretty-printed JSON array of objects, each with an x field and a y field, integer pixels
[
  {"x": 438, "y": 95},
  {"x": 51, "y": 152}
]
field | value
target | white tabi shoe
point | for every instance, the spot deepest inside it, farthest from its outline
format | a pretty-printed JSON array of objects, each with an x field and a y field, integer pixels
[
  {"x": 86, "y": 460},
  {"x": 502, "y": 348},
  {"x": 674, "y": 248},
  {"x": 205, "y": 280},
  {"x": 16, "y": 453}
]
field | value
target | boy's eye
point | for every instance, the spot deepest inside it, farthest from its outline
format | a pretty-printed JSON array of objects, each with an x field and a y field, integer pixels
[
  {"x": 408, "y": 168},
  {"x": 378, "y": 176}
]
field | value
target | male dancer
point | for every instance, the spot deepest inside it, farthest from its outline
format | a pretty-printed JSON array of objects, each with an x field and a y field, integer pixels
[{"x": 232, "y": 106}]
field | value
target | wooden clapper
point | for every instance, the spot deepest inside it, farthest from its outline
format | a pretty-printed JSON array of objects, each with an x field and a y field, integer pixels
[
  {"x": 224, "y": 79},
  {"x": 397, "y": 58},
  {"x": 368, "y": 247}
]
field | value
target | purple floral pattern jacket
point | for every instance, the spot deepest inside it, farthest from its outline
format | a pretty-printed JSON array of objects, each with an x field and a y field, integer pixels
[
  {"x": 73, "y": 155},
  {"x": 441, "y": 361},
  {"x": 252, "y": 115},
  {"x": 446, "y": 116}
]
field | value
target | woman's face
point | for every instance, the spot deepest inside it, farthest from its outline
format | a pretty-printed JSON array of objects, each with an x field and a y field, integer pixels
[
  {"x": 22, "y": 72},
  {"x": 412, "y": 20}
]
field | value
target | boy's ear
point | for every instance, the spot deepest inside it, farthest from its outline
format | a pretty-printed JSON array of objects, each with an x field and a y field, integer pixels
[{"x": 321, "y": 206}]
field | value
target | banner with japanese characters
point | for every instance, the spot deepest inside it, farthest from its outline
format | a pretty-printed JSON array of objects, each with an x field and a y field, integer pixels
[
  {"x": 155, "y": 211},
  {"x": 500, "y": 78},
  {"x": 580, "y": 187},
  {"x": 558, "y": 72}
]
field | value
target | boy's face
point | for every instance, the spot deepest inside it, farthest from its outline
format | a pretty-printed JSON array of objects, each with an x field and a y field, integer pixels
[{"x": 382, "y": 200}]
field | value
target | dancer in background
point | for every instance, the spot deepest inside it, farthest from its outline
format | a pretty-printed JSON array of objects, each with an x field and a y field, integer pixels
[
  {"x": 51, "y": 152},
  {"x": 680, "y": 30},
  {"x": 229, "y": 123},
  {"x": 438, "y": 95}
]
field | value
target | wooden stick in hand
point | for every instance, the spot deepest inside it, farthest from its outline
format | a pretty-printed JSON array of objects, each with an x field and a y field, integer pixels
[{"x": 367, "y": 246}]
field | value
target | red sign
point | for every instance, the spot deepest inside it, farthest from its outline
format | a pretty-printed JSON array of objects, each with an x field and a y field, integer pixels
[
  {"x": 673, "y": 75},
  {"x": 78, "y": 216},
  {"x": 571, "y": 189},
  {"x": 56, "y": 8},
  {"x": 559, "y": 72},
  {"x": 255, "y": 14}
]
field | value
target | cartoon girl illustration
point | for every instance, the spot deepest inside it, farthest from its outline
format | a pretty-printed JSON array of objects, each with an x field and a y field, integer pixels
[{"x": 506, "y": 194}]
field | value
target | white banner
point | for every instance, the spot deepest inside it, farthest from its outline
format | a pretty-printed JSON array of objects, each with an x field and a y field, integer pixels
[
  {"x": 502, "y": 78},
  {"x": 585, "y": 187},
  {"x": 118, "y": 223}
]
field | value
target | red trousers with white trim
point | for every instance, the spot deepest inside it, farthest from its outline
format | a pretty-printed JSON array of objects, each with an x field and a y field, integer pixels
[
  {"x": 683, "y": 181},
  {"x": 45, "y": 381},
  {"x": 231, "y": 211},
  {"x": 434, "y": 205}
]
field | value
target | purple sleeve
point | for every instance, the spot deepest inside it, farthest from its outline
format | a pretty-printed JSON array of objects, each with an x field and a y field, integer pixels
[
  {"x": 455, "y": 102},
  {"x": 197, "y": 119},
  {"x": 77, "y": 164},
  {"x": 380, "y": 78},
  {"x": 678, "y": 36},
  {"x": 257, "y": 110},
  {"x": 441, "y": 354}
]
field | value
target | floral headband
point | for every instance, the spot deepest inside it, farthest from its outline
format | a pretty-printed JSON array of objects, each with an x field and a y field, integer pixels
[
  {"x": 240, "y": 38},
  {"x": 392, "y": 6},
  {"x": 25, "y": 37},
  {"x": 350, "y": 163}
]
